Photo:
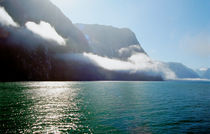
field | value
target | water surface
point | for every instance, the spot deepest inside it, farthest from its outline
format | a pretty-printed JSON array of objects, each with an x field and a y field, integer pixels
[{"x": 105, "y": 107}]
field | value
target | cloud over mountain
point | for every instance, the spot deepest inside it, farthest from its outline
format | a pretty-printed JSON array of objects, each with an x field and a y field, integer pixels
[
  {"x": 46, "y": 31},
  {"x": 6, "y": 19},
  {"x": 136, "y": 63},
  {"x": 37, "y": 47},
  {"x": 31, "y": 50}
]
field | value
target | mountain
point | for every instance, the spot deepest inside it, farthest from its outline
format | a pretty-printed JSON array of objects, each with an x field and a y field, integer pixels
[
  {"x": 38, "y": 42},
  {"x": 23, "y": 11},
  {"x": 207, "y": 74},
  {"x": 182, "y": 71},
  {"x": 122, "y": 43},
  {"x": 204, "y": 73},
  {"x": 111, "y": 41}
]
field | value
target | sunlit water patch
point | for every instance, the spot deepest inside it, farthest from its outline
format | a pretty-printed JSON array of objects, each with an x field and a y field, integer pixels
[{"x": 105, "y": 107}]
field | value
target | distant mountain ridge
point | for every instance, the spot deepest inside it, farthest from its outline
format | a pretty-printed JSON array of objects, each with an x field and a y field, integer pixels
[
  {"x": 204, "y": 73},
  {"x": 182, "y": 71}
]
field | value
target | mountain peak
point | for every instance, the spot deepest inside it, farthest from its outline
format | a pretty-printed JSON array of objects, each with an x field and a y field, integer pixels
[{"x": 108, "y": 40}]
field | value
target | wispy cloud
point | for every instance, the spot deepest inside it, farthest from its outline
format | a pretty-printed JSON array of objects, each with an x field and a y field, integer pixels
[
  {"x": 130, "y": 50},
  {"x": 46, "y": 31},
  {"x": 6, "y": 19},
  {"x": 138, "y": 62}
]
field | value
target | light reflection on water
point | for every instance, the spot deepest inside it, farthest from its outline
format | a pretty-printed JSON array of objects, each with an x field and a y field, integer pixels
[
  {"x": 51, "y": 104},
  {"x": 48, "y": 106},
  {"x": 105, "y": 107}
]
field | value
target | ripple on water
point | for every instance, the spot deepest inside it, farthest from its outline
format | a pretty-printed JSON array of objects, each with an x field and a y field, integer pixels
[{"x": 111, "y": 107}]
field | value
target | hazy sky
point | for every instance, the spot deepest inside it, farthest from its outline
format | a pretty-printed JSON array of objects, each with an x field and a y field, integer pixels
[{"x": 168, "y": 30}]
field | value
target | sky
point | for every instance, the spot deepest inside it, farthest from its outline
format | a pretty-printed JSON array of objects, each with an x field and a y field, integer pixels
[{"x": 168, "y": 30}]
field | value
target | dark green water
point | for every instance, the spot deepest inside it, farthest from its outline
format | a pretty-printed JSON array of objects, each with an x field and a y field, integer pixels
[{"x": 105, "y": 107}]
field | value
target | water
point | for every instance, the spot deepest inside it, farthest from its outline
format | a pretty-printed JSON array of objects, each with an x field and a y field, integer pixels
[{"x": 105, "y": 107}]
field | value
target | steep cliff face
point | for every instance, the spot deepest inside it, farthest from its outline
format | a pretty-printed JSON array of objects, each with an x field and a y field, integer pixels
[
  {"x": 110, "y": 41},
  {"x": 31, "y": 50},
  {"x": 23, "y": 11}
]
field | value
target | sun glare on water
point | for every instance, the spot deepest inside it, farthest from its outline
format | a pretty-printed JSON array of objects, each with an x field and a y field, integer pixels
[{"x": 52, "y": 102}]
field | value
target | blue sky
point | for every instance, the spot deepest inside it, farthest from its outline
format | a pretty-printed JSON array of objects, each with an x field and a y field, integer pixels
[{"x": 168, "y": 30}]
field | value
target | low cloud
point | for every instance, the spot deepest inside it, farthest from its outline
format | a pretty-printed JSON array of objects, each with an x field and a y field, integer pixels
[
  {"x": 138, "y": 62},
  {"x": 46, "y": 31},
  {"x": 16, "y": 34},
  {"x": 203, "y": 69},
  {"x": 130, "y": 50},
  {"x": 134, "y": 66},
  {"x": 6, "y": 19},
  {"x": 126, "y": 52}
]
